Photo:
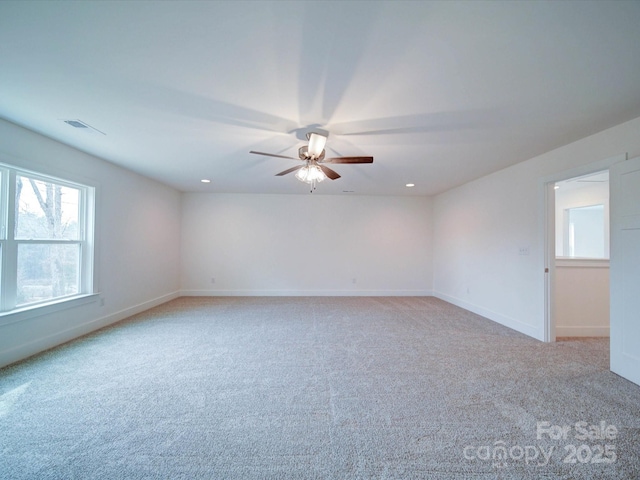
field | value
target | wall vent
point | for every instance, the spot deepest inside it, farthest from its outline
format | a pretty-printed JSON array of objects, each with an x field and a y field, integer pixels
[{"x": 80, "y": 125}]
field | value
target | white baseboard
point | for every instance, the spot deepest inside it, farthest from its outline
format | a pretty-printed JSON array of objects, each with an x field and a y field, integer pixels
[
  {"x": 582, "y": 331},
  {"x": 41, "y": 344},
  {"x": 306, "y": 293},
  {"x": 141, "y": 307},
  {"x": 496, "y": 317}
]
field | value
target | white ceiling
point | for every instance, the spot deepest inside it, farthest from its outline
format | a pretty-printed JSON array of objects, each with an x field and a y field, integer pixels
[{"x": 440, "y": 93}]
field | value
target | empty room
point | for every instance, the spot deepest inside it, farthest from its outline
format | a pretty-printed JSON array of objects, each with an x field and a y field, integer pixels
[{"x": 319, "y": 239}]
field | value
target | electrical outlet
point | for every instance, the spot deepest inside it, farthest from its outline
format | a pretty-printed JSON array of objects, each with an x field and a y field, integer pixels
[
  {"x": 213, "y": 279},
  {"x": 354, "y": 280}
]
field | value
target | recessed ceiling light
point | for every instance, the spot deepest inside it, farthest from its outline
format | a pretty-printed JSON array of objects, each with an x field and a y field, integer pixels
[
  {"x": 205, "y": 180},
  {"x": 410, "y": 185}
]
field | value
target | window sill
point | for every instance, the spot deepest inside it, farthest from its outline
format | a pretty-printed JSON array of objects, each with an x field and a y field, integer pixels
[
  {"x": 574, "y": 262},
  {"x": 32, "y": 311}
]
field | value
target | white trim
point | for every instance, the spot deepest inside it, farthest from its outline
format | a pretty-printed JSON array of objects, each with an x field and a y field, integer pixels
[
  {"x": 28, "y": 165},
  {"x": 582, "y": 331},
  {"x": 583, "y": 170},
  {"x": 38, "y": 345},
  {"x": 549, "y": 261},
  {"x": 491, "y": 315},
  {"x": 548, "y": 230},
  {"x": 567, "y": 262},
  {"x": 32, "y": 311},
  {"x": 306, "y": 293},
  {"x": 141, "y": 307},
  {"x": 10, "y": 244}
]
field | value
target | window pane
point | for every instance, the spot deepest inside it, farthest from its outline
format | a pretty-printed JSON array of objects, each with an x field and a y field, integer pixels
[
  {"x": 45, "y": 210},
  {"x": 586, "y": 232},
  {"x": 47, "y": 271}
]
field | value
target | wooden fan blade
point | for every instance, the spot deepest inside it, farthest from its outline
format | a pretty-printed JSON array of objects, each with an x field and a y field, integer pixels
[
  {"x": 349, "y": 160},
  {"x": 289, "y": 170},
  {"x": 333, "y": 175},
  {"x": 273, "y": 155}
]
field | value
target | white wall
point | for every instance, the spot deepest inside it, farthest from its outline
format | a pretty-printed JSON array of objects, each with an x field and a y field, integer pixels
[
  {"x": 582, "y": 298},
  {"x": 581, "y": 290},
  {"x": 138, "y": 242},
  {"x": 463, "y": 245},
  {"x": 480, "y": 227},
  {"x": 305, "y": 245}
]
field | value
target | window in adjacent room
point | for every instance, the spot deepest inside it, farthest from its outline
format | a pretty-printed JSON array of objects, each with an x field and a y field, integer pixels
[
  {"x": 582, "y": 217},
  {"x": 47, "y": 239},
  {"x": 585, "y": 232}
]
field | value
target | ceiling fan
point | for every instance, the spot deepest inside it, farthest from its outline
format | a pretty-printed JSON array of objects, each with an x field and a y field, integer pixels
[{"x": 313, "y": 168}]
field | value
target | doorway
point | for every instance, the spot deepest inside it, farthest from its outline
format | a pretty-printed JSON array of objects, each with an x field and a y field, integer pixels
[
  {"x": 569, "y": 253},
  {"x": 581, "y": 291}
]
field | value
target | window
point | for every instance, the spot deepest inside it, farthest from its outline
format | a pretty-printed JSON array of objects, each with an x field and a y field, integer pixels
[
  {"x": 46, "y": 246},
  {"x": 585, "y": 232},
  {"x": 582, "y": 217}
]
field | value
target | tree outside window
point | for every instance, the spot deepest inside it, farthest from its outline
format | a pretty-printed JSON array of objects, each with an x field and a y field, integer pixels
[
  {"x": 46, "y": 217},
  {"x": 45, "y": 249}
]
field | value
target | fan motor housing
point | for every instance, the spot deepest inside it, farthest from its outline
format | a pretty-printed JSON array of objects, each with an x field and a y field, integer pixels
[{"x": 303, "y": 153}]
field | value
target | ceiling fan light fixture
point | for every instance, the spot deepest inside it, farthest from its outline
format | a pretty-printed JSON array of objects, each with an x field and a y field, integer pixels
[
  {"x": 316, "y": 144},
  {"x": 317, "y": 174},
  {"x": 313, "y": 169},
  {"x": 302, "y": 174},
  {"x": 311, "y": 174}
]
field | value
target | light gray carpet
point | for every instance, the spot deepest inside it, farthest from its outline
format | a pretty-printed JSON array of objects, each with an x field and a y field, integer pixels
[{"x": 330, "y": 388}]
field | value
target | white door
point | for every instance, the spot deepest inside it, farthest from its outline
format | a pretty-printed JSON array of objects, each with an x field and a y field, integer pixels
[{"x": 625, "y": 269}]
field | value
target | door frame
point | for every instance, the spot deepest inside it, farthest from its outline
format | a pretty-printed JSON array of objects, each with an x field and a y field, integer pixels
[{"x": 548, "y": 233}]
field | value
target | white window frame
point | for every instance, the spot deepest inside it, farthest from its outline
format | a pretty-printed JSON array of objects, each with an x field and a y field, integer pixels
[{"x": 9, "y": 311}]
